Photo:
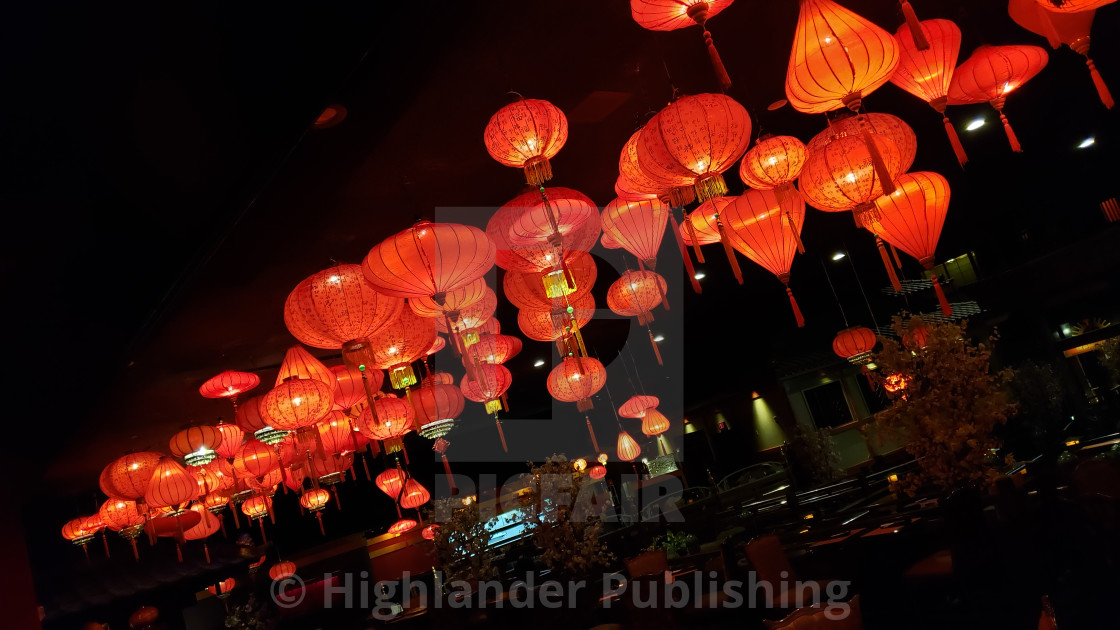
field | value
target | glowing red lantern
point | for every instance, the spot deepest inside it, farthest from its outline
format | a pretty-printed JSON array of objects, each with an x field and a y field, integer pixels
[
  {"x": 488, "y": 386},
  {"x": 670, "y": 15},
  {"x": 577, "y": 380},
  {"x": 232, "y": 436},
  {"x": 550, "y": 220},
  {"x": 429, "y": 260},
  {"x": 493, "y": 349},
  {"x": 391, "y": 482},
  {"x": 700, "y": 226},
  {"x": 398, "y": 344},
  {"x": 654, "y": 423},
  {"x": 299, "y": 364},
  {"x": 282, "y": 571},
  {"x": 127, "y": 477},
  {"x": 196, "y": 445},
  {"x": 993, "y": 72},
  {"x": 207, "y": 525},
  {"x": 854, "y": 344},
  {"x": 436, "y": 406},
  {"x": 414, "y": 495},
  {"x": 637, "y": 226},
  {"x": 551, "y": 325},
  {"x": 337, "y": 306},
  {"x": 628, "y": 449},
  {"x": 336, "y": 434},
  {"x": 349, "y": 390},
  {"x": 636, "y": 293},
  {"x": 876, "y": 124},
  {"x": 429, "y": 532},
  {"x": 527, "y": 134},
  {"x": 636, "y": 406},
  {"x": 539, "y": 256},
  {"x": 395, "y": 418},
  {"x": 841, "y": 174},
  {"x": 315, "y": 500},
  {"x": 772, "y": 162},
  {"x": 471, "y": 316},
  {"x": 229, "y": 384},
  {"x": 1061, "y": 26},
  {"x": 171, "y": 485},
  {"x": 401, "y": 526},
  {"x": 222, "y": 588},
  {"x": 537, "y": 290},
  {"x": 297, "y": 403},
  {"x": 597, "y": 472},
  {"x": 249, "y": 417},
  {"x": 453, "y": 302},
  {"x": 117, "y": 514},
  {"x": 256, "y": 507},
  {"x": 256, "y": 460}
]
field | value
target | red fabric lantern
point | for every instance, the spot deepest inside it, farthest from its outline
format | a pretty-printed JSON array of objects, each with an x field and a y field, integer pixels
[
  {"x": 349, "y": 390},
  {"x": 492, "y": 349},
  {"x": 315, "y": 500},
  {"x": 597, "y": 472},
  {"x": 527, "y": 134},
  {"x": 636, "y": 293},
  {"x": 414, "y": 495},
  {"x": 488, "y": 386},
  {"x": 993, "y": 72},
  {"x": 391, "y": 482},
  {"x": 297, "y": 403},
  {"x": 429, "y": 260},
  {"x": 171, "y": 485},
  {"x": 196, "y": 444},
  {"x": 117, "y": 514},
  {"x": 551, "y": 219},
  {"x": 531, "y": 289},
  {"x": 911, "y": 219},
  {"x": 693, "y": 141},
  {"x": 539, "y": 256},
  {"x": 838, "y": 58},
  {"x": 429, "y": 532},
  {"x": 636, "y": 406},
  {"x": 336, "y": 434},
  {"x": 232, "y": 436},
  {"x": 282, "y": 571},
  {"x": 471, "y": 316},
  {"x": 223, "y": 587},
  {"x": 700, "y": 227},
  {"x": 1062, "y": 27},
  {"x": 299, "y": 364},
  {"x": 876, "y": 124},
  {"x": 854, "y": 344},
  {"x": 841, "y": 175},
  {"x": 670, "y": 15},
  {"x": 249, "y": 416},
  {"x": 395, "y": 418},
  {"x": 337, "y": 305},
  {"x": 256, "y": 507},
  {"x": 637, "y": 226},
  {"x": 215, "y": 502},
  {"x": 772, "y": 162},
  {"x": 628, "y": 449},
  {"x": 256, "y": 460},
  {"x": 206, "y": 526},
  {"x": 127, "y": 477},
  {"x": 577, "y": 380},
  {"x": 437, "y": 405},
  {"x": 78, "y": 531},
  {"x": 552, "y": 325},
  {"x": 654, "y": 423},
  {"x": 766, "y": 230},
  {"x": 398, "y": 344},
  {"x": 927, "y": 73},
  {"x": 625, "y": 189},
  {"x": 221, "y": 470},
  {"x": 229, "y": 384},
  {"x": 453, "y": 302},
  {"x": 401, "y": 526}
]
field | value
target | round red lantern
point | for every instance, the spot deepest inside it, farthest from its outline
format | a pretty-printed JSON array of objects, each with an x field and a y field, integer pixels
[
  {"x": 397, "y": 345},
  {"x": 336, "y": 306},
  {"x": 429, "y": 260},
  {"x": 453, "y": 302},
  {"x": 429, "y": 532},
  {"x": 654, "y": 423},
  {"x": 229, "y": 384},
  {"x": 256, "y": 460},
  {"x": 281, "y": 571},
  {"x": 196, "y": 445},
  {"x": 636, "y": 406},
  {"x": 539, "y": 256},
  {"x": 127, "y": 477},
  {"x": 391, "y": 482},
  {"x": 538, "y": 289},
  {"x": 395, "y": 418},
  {"x": 349, "y": 390},
  {"x": 471, "y": 316},
  {"x": 437, "y": 405},
  {"x": 597, "y": 472},
  {"x": 256, "y": 507},
  {"x": 401, "y": 526},
  {"x": 315, "y": 500},
  {"x": 993, "y": 72},
  {"x": 414, "y": 495},
  {"x": 551, "y": 325},
  {"x": 171, "y": 485},
  {"x": 841, "y": 174},
  {"x": 854, "y": 344},
  {"x": 526, "y": 134},
  {"x": 297, "y": 403},
  {"x": 493, "y": 349},
  {"x": 336, "y": 434},
  {"x": 232, "y": 436},
  {"x": 577, "y": 380},
  {"x": 772, "y": 162},
  {"x": 636, "y": 293},
  {"x": 222, "y": 589}
]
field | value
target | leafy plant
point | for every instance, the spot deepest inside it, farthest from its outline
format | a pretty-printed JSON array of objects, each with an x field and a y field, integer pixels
[
  {"x": 673, "y": 542},
  {"x": 1109, "y": 352},
  {"x": 462, "y": 543},
  {"x": 817, "y": 453},
  {"x": 949, "y": 406},
  {"x": 252, "y": 615}
]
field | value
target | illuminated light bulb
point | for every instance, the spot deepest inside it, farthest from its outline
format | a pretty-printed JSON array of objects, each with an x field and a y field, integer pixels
[
  {"x": 1087, "y": 142},
  {"x": 976, "y": 124}
]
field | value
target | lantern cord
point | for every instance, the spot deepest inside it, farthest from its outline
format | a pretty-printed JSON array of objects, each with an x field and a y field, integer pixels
[
  {"x": 955, "y": 140},
  {"x": 796, "y": 310},
  {"x": 684, "y": 254},
  {"x": 653, "y": 342},
  {"x": 834, "y": 295},
  {"x": 713, "y": 54},
  {"x": 591, "y": 432},
  {"x": 728, "y": 250},
  {"x": 1011, "y": 138},
  {"x": 887, "y": 264},
  {"x": 919, "y": 36},
  {"x": 1098, "y": 81},
  {"x": 946, "y": 308},
  {"x": 613, "y": 409},
  {"x": 859, "y": 283},
  {"x": 501, "y": 434}
]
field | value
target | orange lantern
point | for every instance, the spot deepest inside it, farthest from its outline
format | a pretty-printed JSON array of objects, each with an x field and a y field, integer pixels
[
  {"x": 536, "y": 256},
  {"x": 773, "y": 161},
  {"x": 79, "y": 532},
  {"x": 299, "y": 364},
  {"x": 526, "y": 134},
  {"x": 854, "y": 344},
  {"x": 222, "y": 589},
  {"x": 249, "y": 417},
  {"x": 453, "y": 301},
  {"x": 637, "y": 226},
  {"x": 993, "y": 72},
  {"x": 391, "y": 482},
  {"x": 297, "y": 403},
  {"x": 670, "y": 15},
  {"x": 127, "y": 477},
  {"x": 555, "y": 324},
  {"x": 282, "y": 571},
  {"x": 654, "y": 423},
  {"x": 628, "y": 449},
  {"x": 315, "y": 500},
  {"x": 927, "y": 72},
  {"x": 414, "y": 495},
  {"x": 577, "y": 380},
  {"x": 429, "y": 260},
  {"x": 398, "y": 344},
  {"x": 639, "y": 184},
  {"x": 597, "y": 472},
  {"x": 215, "y": 502},
  {"x": 170, "y": 486},
  {"x": 395, "y": 418},
  {"x": 229, "y": 384},
  {"x": 493, "y": 349},
  {"x": 124, "y": 518},
  {"x": 196, "y": 445},
  {"x": 401, "y": 526},
  {"x": 875, "y": 124},
  {"x": 429, "y": 532},
  {"x": 489, "y": 386},
  {"x": 336, "y": 434},
  {"x": 336, "y": 306},
  {"x": 693, "y": 141},
  {"x": 256, "y": 460},
  {"x": 636, "y": 293},
  {"x": 437, "y": 405},
  {"x": 349, "y": 390},
  {"x": 551, "y": 220},
  {"x": 256, "y": 507},
  {"x": 840, "y": 175},
  {"x": 626, "y": 189},
  {"x": 636, "y": 406},
  {"x": 911, "y": 219},
  {"x": 536, "y": 290},
  {"x": 232, "y": 436},
  {"x": 766, "y": 230},
  {"x": 699, "y": 227},
  {"x": 206, "y": 526},
  {"x": 1060, "y": 26},
  {"x": 471, "y": 316},
  {"x": 471, "y": 336}
]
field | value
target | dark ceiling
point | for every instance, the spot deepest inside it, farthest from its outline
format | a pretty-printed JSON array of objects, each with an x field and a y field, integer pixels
[{"x": 166, "y": 190}]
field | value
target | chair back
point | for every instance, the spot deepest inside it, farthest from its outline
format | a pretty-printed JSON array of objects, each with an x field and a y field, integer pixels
[
  {"x": 648, "y": 563},
  {"x": 769, "y": 560}
]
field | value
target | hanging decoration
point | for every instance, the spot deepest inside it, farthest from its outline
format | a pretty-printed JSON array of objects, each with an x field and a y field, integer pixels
[
  {"x": 489, "y": 387},
  {"x": 196, "y": 445},
  {"x": 394, "y": 418},
  {"x": 526, "y": 134},
  {"x": 1062, "y": 27},
  {"x": 229, "y": 384},
  {"x": 436, "y": 405},
  {"x": 637, "y": 226},
  {"x": 536, "y": 290},
  {"x": 577, "y": 381},
  {"x": 670, "y": 15},
  {"x": 124, "y": 518},
  {"x": 628, "y": 448},
  {"x": 993, "y": 72},
  {"x": 315, "y": 501},
  {"x": 636, "y": 406},
  {"x": 396, "y": 346},
  {"x": 774, "y": 162}
]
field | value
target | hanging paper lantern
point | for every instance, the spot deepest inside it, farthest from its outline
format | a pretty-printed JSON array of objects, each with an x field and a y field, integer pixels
[
  {"x": 299, "y": 364},
  {"x": 391, "y": 482},
  {"x": 539, "y": 256},
  {"x": 117, "y": 514},
  {"x": 492, "y": 349},
  {"x": 229, "y": 384},
  {"x": 349, "y": 390},
  {"x": 551, "y": 325},
  {"x": 315, "y": 500},
  {"x": 127, "y": 477},
  {"x": 335, "y": 434},
  {"x": 772, "y": 162},
  {"x": 840, "y": 175},
  {"x": 627, "y": 190},
  {"x": 437, "y": 405},
  {"x": 249, "y": 417},
  {"x": 550, "y": 220},
  {"x": 206, "y": 526},
  {"x": 414, "y": 495},
  {"x": 766, "y": 230},
  {"x": 927, "y": 73},
  {"x": 206, "y": 478},
  {"x": 838, "y": 58},
  {"x": 637, "y": 226},
  {"x": 876, "y": 124},
  {"x": 993, "y": 72},
  {"x": 395, "y": 418},
  {"x": 78, "y": 531},
  {"x": 429, "y": 260},
  {"x": 215, "y": 502},
  {"x": 282, "y": 571},
  {"x": 537, "y": 289},
  {"x": 429, "y": 532},
  {"x": 471, "y": 336},
  {"x": 577, "y": 380},
  {"x": 471, "y": 316},
  {"x": 1072, "y": 6},
  {"x": 636, "y": 293},
  {"x": 597, "y": 472},
  {"x": 256, "y": 460},
  {"x": 232, "y": 436},
  {"x": 336, "y": 306},
  {"x": 854, "y": 344},
  {"x": 1060, "y": 27},
  {"x": 398, "y": 344},
  {"x": 221, "y": 469},
  {"x": 693, "y": 141},
  {"x": 256, "y": 507},
  {"x": 700, "y": 227},
  {"x": 654, "y": 423},
  {"x": 489, "y": 386},
  {"x": 670, "y": 15},
  {"x": 297, "y": 403},
  {"x": 628, "y": 449},
  {"x": 911, "y": 219},
  {"x": 636, "y": 406},
  {"x": 171, "y": 485},
  {"x": 196, "y": 444},
  {"x": 527, "y": 134},
  {"x": 453, "y": 302},
  {"x": 401, "y": 526}
]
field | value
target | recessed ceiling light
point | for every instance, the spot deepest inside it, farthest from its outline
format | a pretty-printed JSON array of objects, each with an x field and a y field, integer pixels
[
  {"x": 659, "y": 338},
  {"x": 839, "y": 256},
  {"x": 538, "y": 363},
  {"x": 1087, "y": 142},
  {"x": 976, "y": 124},
  {"x": 700, "y": 275}
]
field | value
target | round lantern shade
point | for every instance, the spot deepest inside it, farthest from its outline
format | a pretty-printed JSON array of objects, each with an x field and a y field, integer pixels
[
  {"x": 297, "y": 403},
  {"x": 527, "y": 134},
  {"x": 538, "y": 256},
  {"x": 229, "y": 384},
  {"x": 876, "y": 123},
  {"x": 232, "y": 436},
  {"x": 330, "y": 466},
  {"x": 535, "y": 224},
  {"x": 77, "y": 530},
  {"x": 490, "y": 382},
  {"x": 436, "y": 406},
  {"x": 838, "y": 57},
  {"x": 492, "y": 349},
  {"x": 249, "y": 416},
  {"x": 401, "y": 526},
  {"x": 414, "y": 495},
  {"x": 429, "y": 532},
  {"x": 143, "y": 617},
  {"x": 597, "y": 472},
  {"x": 567, "y": 383},
  {"x": 299, "y": 364},
  {"x": 526, "y": 289},
  {"x": 628, "y": 449},
  {"x": 281, "y": 571},
  {"x": 773, "y": 161},
  {"x": 654, "y": 423},
  {"x": 912, "y": 217},
  {"x": 256, "y": 507},
  {"x": 349, "y": 390},
  {"x": 472, "y": 316},
  {"x": 439, "y": 378},
  {"x": 256, "y": 459},
  {"x": 395, "y": 418},
  {"x": 692, "y": 141},
  {"x": 635, "y": 182},
  {"x": 670, "y": 15},
  {"x": 335, "y": 306},
  {"x": 391, "y": 482},
  {"x": 170, "y": 485},
  {"x": 636, "y": 293},
  {"x": 928, "y": 73},
  {"x": 118, "y": 514},
  {"x": 549, "y": 325},
  {"x": 636, "y": 406},
  {"x": 700, "y": 227},
  {"x": 206, "y": 478},
  {"x": 221, "y": 470},
  {"x": 627, "y": 190},
  {"x": 315, "y": 500},
  {"x": 637, "y": 226},
  {"x": 841, "y": 174},
  {"x": 453, "y": 301},
  {"x": 854, "y": 344},
  {"x": 196, "y": 444},
  {"x": 215, "y": 501},
  {"x": 429, "y": 260},
  {"x": 993, "y": 72},
  {"x": 127, "y": 477},
  {"x": 765, "y": 229},
  {"x": 207, "y": 524},
  {"x": 336, "y": 434},
  {"x": 402, "y": 341}
]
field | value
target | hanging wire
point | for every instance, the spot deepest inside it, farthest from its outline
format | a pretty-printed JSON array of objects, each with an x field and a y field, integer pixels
[
  {"x": 834, "y": 296},
  {"x": 861, "y": 291}
]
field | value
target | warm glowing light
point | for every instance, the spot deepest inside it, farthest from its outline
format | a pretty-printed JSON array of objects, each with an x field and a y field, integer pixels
[
  {"x": 892, "y": 478},
  {"x": 975, "y": 124},
  {"x": 839, "y": 256},
  {"x": 1087, "y": 142},
  {"x": 538, "y": 363}
]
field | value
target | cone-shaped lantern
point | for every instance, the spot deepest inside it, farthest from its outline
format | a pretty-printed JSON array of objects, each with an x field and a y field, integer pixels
[
  {"x": 669, "y": 15},
  {"x": 637, "y": 226},
  {"x": 927, "y": 73},
  {"x": 1062, "y": 27},
  {"x": 993, "y": 72}
]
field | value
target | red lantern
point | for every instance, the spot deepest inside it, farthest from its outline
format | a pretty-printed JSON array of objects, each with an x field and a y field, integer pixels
[
  {"x": 471, "y": 316},
  {"x": 550, "y": 220},
  {"x": 854, "y": 344},
  {"x": 223, "y": 588},
  {"x": 336, "y": 306},
  {"x": 395, "y": 418},
  {"x": 349, "y": 390},
  {"x": 196, "y": 444},
  {"x": 215, "y": 502},
  {"x": 911, "y": 219},
  {"x": 171, "y": 485},
  {"x": 282, "y": 571},
  {"x": 493, "y": 349},
  {"x": 639, "y": 185},
  {"x": 229, "y": 384},
  {"x": 766, "y": 230},
  {"x": 429, "y": 532},
  {"x": 401, "y": 526},
  {"x": 315, "y": 500},
  {"x": 527, "y": 134},
  {"x": 256, "y": 460},
  {"x": 772, "y": 162},
  {"x": 636, "y": 406},
  {"x": 453, "y": 302},
  {"x": 256, "y": 507},
  {"x": 654, "y": 423},
  {"x": 488, "y": 386},
  {"x": 551, "y": 325},
  {"x": 927, "y": 73},
  {"x": 539, "y": 256},
  {"x": 299, "y": 364},
  {"x": 232, "y": 436},
  {"x": 414, "y": 495},
  {"x": 391, "y": 482},
  {"x": 628, "y": 449},
  {"x": 875, "y": 124},
  {"x": 297, "y": 403},
  {"x": 636, "y": 293},
  {"x": 637, "y": 226},
  {"x": 597, "y": 472},
  {"x": 127, "y": 477},
  {"x": 693, "y": 141},
  {"x": 993, "y": 72},
  {"x": 207, "y": 526},
  {"x": 429, "y": 260},
  {"x": 398, "y": 344},
  {"x": 577, "y": 380},
  {"x": 78, "y": 531},
  {"x": 841, "y": 174},
  {"x": 536, "y": 290},
  {"x": 670, "y": 15},
  {"x": 117, "y": 514},
  {"x": 700, "y": 226},
  {"x": 249, "y": 416},
  {"x": 336, "y": 434},
  {"x": 625, "y": 189},
  {"x": 1060, "y": 26},
  {"x": 436, "y": 406}
]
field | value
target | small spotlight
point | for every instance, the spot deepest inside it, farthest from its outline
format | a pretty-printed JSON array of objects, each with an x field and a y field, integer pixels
[
  {"x": 1087, "y": 142},
  {"x": 659, "y": 338},
  {"x": 538, "y": 363},
  {"x": 976, "y": 124},
  {"x": 839, "y": 256},
  {"x": 700, "y": 275}
]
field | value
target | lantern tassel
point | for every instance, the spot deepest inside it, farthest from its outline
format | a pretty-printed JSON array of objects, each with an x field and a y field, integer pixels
[
  {"x": 796, "y": 310},
  {"x": 661, "y": 292},
  {"x": 1098, "y": 80},
  {"x": 365, "y": 465},
  {"x": 695, "y": 243},
  {"x": 729, "y": 251},
  {"x": 591, "y": 432},
  {"x": 894, "y": 255},
  {"x": 684, "y": 254},
  {"x": 85, "y": 550},
  {"x": 505, "y": 402},
  {"x": 322, "y": 530},
  {"x": 236, "y": 520},
  {"x": 717, "y": 63},
  {"x": 946, "y": 308},
  {"x": 337, "y": 499},
  {"x": 920, "y": 41},
  {"x": 179, "y": 552},
  {"x": 135, "y": 551},
  {"x": 105, "y": 541},
  {"x": 795, "y": 231},
  {"x": 1011, "y": 138},
  {"x": 206, "y": 552},
  {"x": 656, "y": 351},
  {"x": 264, "y": 537},
  {"x": 222, "y": 524},
  {"x": 877, "y": 161},
  {"x": 955, "y": 140},
  {"x": 501, "y": 434},
  {"x": 447, "y": 471},
  {"x": 887, "y": 264}
]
